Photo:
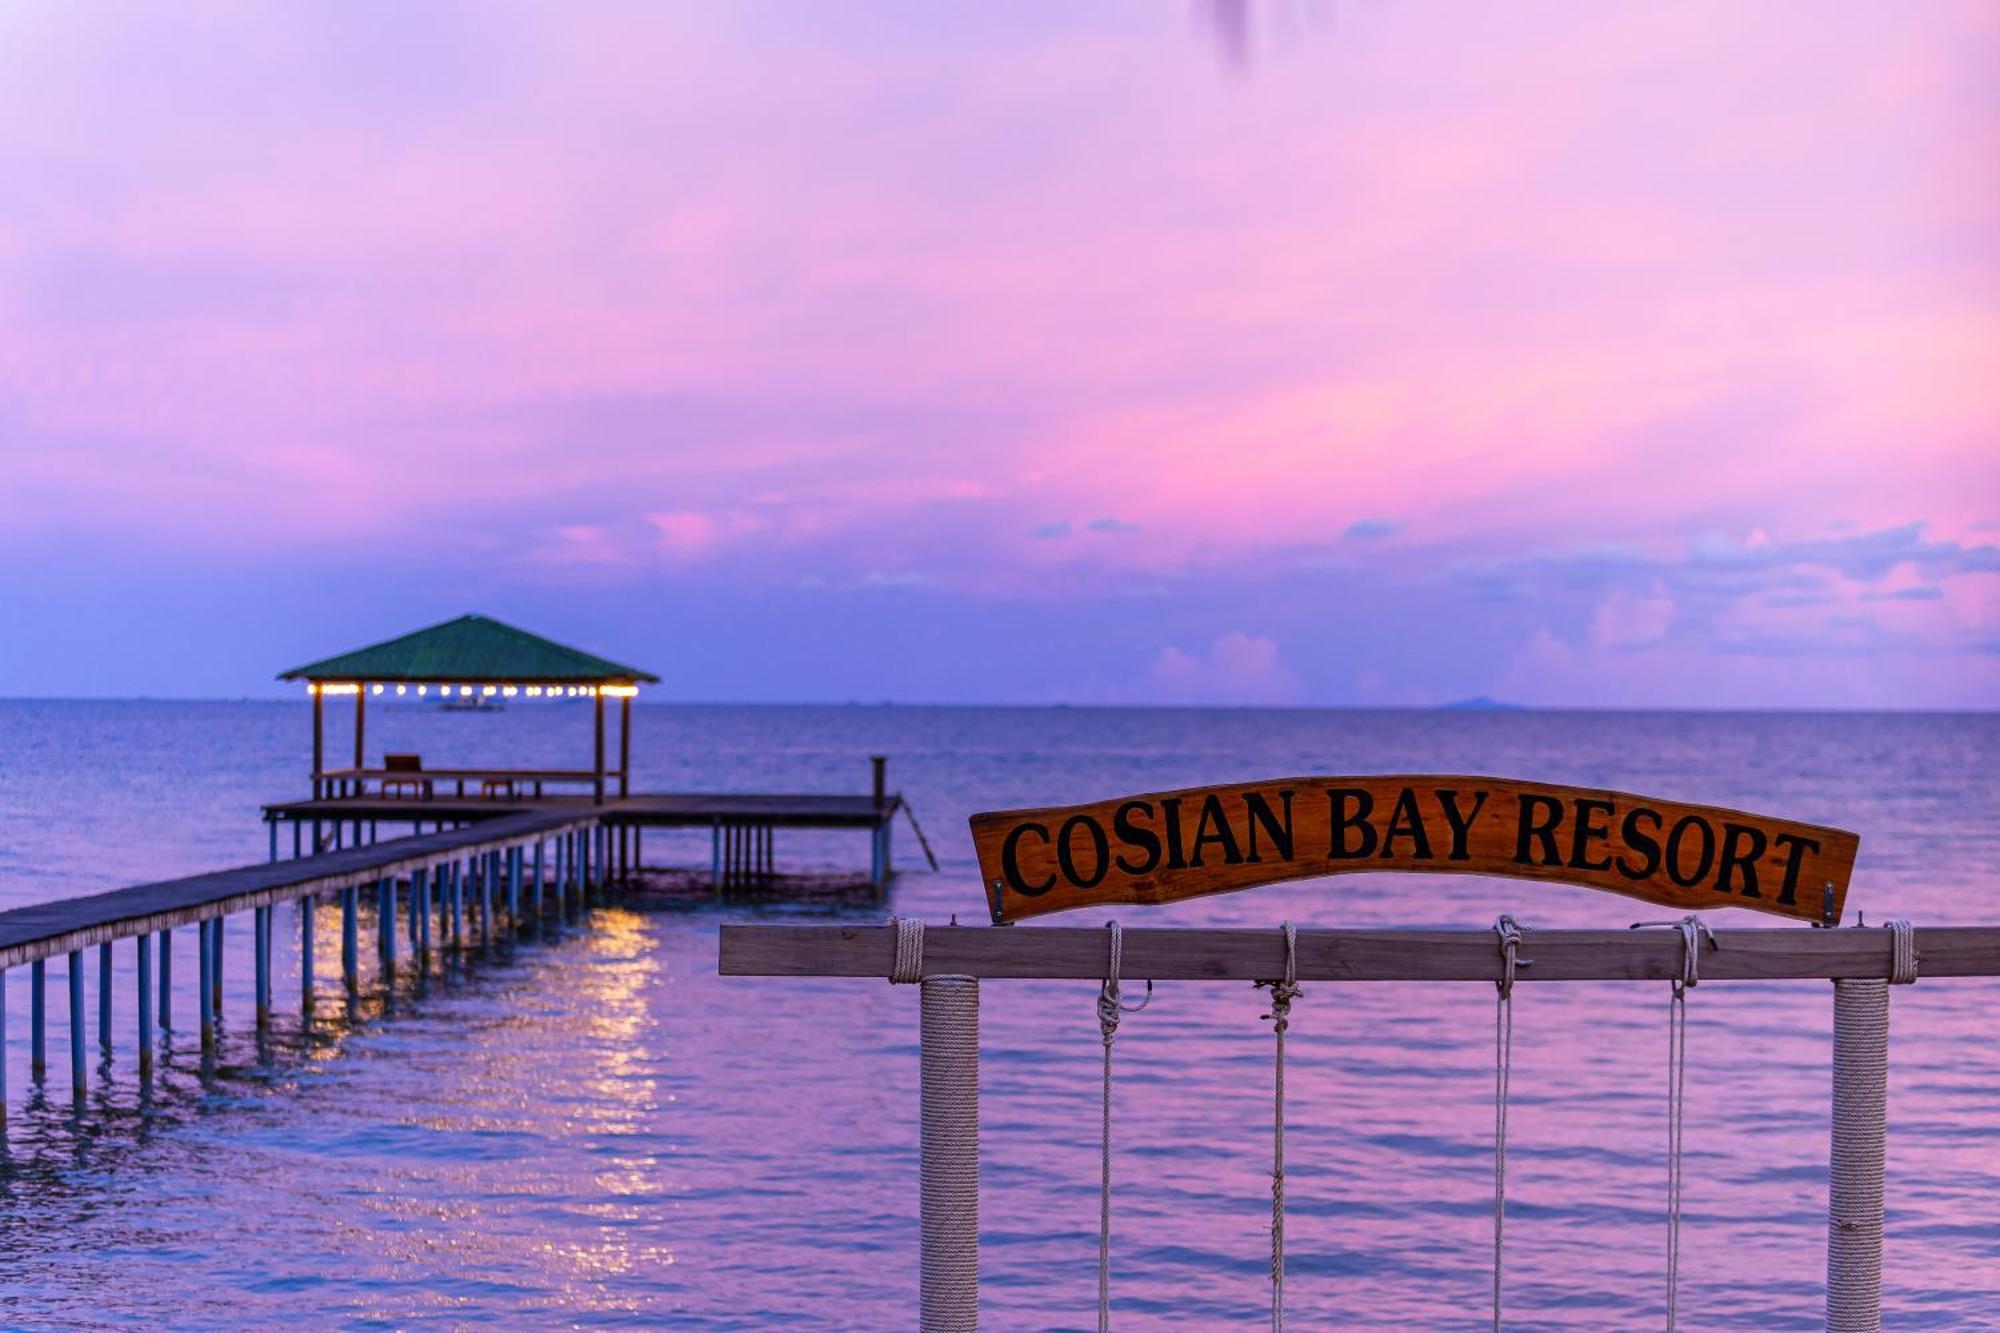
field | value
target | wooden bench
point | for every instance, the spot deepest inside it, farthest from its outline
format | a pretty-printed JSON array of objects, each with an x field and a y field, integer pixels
[{"x": 402, "y": 772}]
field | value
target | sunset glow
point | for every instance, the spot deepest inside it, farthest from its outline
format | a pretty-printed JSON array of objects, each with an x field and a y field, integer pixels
[{"x": 1562, "y": 354}]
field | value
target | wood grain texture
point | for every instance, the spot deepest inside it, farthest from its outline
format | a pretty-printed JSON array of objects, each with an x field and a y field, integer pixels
[
  {"x": 1165, "y": 846},
  {"x": 1080, "y": 953}
]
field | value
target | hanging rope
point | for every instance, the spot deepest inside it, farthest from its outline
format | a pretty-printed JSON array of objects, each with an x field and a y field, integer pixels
[
  {"x": 909, "y": 965},
  {"x": 1282, "y": 994},
  {"x": 1109, "y": 1010},
  {"x": 1693, "y": 930},
  {"x": 1510, "y": 933}
]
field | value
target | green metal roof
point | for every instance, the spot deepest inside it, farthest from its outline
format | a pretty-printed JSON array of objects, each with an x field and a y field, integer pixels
[{"x": 474, "y": 650}]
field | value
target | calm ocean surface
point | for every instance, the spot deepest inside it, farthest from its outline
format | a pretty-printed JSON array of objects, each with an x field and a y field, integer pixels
[{"x": 597, "y": 1130}]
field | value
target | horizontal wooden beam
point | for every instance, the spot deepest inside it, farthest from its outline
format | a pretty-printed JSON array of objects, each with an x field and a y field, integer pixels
[{"x": 1780, "y": 953}]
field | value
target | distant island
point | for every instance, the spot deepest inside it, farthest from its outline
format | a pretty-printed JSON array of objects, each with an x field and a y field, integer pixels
[{"x": 1479, "y": 703}]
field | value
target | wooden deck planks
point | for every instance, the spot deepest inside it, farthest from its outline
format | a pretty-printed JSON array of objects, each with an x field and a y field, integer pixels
[
  {"x": 656, "y": 810},
  {"x": 44, "y": 929}
]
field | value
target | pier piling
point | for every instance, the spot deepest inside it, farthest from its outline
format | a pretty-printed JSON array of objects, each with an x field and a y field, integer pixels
[
  {"x": 306, "y": 943},
  {"x": 350, "y": 938},
  {"x": 166, "y": 981},
  {"x": 142, "y": 946},
  {"x": 104, "y": 998},
  {"x": 77, "y": 1074},
  {"x": 38, "y": 1020},
  {"x": 260, "y": 934},
  {"x": 204, "y": 948}
]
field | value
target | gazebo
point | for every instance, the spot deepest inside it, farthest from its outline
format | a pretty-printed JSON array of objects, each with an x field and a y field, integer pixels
[{"x": 470, "y": 659}]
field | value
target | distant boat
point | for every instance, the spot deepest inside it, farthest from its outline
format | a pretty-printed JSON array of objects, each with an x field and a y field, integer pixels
[
  {"x": 472, "y": 703},
  {"x": 1478, "y": 703}
]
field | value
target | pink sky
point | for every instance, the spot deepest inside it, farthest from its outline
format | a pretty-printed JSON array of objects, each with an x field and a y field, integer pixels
[{"x": 1559, "y": 353}]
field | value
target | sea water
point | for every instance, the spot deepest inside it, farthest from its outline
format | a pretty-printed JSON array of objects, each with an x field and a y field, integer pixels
[{"x": 595, "y": 1129}]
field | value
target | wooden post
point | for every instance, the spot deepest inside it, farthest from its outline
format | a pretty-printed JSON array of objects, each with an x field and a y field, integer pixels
[
  {"x": 78, "y": 1076},
  {"x": 360, "y": 730},
  {"x": 513, "y": 888},
  {"x": 143, "y": 946},
  {"x": 306, "y": 905},
  {"x": 597, "y": 706},
  {"x": 625, "y": 745},
  {"x": 104, "y": 998},
  {"x": 3, "y": 1060},
  {"x": 38, "y": 1019},
  {"x": 260, "y": 934},
  {"x": 166, "y": 981},
  {"x": 540, "y": 859},
  {"x": 205, "y": 948},
  {"x": 319, "y": 747},
  {"x": 715, "y": 854},
  {"x": 215, "y": 963},
  {"x": 880, "y": 763},
  {"x": 385, "y": 920},
  {"x": 350, "y": 937}
]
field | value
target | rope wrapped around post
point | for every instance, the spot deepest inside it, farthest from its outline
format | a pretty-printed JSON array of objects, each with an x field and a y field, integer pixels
[
  {"x": 1109, "y": 1010},
  {"x": 1510, "y": 933},
  {"x": 1858, "y": 1140},
  {"x": 949, "y": 1154},
  {"x": 1283, "y": 992}
]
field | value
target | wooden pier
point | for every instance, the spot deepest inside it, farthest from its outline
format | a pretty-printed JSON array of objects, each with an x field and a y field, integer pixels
[{"x": 444, "y": 889}]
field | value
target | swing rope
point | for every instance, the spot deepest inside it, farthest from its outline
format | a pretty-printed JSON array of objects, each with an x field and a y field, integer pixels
[
  {"x": 1510, "y": 932},
  {"x": 1109, "y": 1010},
  {"x": 1282, "y": 994},
  {"x": 1692, "y": 931}
]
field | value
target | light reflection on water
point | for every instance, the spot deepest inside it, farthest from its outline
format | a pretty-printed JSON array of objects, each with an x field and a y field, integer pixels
[{"x": 596, "y": 1129}]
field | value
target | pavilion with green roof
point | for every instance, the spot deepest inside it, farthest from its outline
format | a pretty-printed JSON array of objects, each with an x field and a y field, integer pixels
[{"x": 472, "y": 660}]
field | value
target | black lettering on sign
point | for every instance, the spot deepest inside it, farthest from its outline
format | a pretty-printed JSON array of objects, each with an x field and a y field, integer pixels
[
  {"x": 1461, "y": 824},
  {"x": 1161, "y": 847},
  {"x": 1674, "y": 861},
  {"x": 1176, "y": 858},
  {"x": 1010, "y": 860},
  {"x": 1260, "y": 813},
  {"x": 1795, "y": 855},
  {"x": 1647, "y": 844},
  {"x": 1340, "y": 799},
  {"x": 1132, "y": 835},
  {"x": 1213, "y": 827},
  {"x": 1588, "y": 831},
  {"x": 1742, "y": 858},
  {"x": 1100, "y": 852},
  {"x": 1539, "y": 826},
  {"x": 1406, "y": 822}
]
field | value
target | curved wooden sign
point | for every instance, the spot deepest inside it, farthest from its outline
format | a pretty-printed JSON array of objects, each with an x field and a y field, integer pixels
[{"x": 1163, "y": 847}]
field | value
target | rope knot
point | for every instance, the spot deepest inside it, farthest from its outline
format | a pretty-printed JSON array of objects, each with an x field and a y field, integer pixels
[
  {"x": 1511, "y": 933},
  {"x": 1693, "y": 930},
  {"x": 1109, "y": 1006},
  {"x": 1286, "y": 989}
]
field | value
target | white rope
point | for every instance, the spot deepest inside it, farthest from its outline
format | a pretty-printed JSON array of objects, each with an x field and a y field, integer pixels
[
  {"x": 1693, "y": 930},
  {"x": 1902, "y": 953},
  {"x": 909, "y": 965},
  {"x": 950, "y": 1154},
  {"x": 1510, "y": 932},
  {"x": 1854, "y": 1177},
  {"x": 1282, "y": 994},
  {"x": 1109, "y": 1010}
]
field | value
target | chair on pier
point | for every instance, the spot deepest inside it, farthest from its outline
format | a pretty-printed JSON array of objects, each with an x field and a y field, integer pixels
[{"x": 398, "y": 775}]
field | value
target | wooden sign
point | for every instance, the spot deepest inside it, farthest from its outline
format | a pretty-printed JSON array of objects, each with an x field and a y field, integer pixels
[{"x": 1168, "y": 846}]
